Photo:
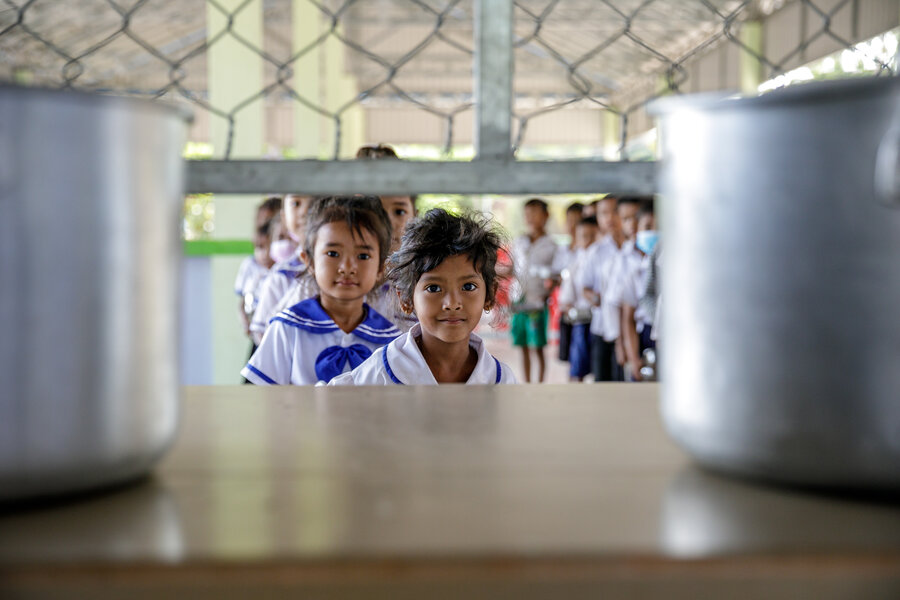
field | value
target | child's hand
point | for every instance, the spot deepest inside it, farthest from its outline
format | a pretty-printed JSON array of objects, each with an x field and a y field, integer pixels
[{"x": 635, "y": 368}]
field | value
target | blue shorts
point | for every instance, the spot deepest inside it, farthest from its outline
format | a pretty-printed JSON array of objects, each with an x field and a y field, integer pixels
[{"x": 580, "y": 350}]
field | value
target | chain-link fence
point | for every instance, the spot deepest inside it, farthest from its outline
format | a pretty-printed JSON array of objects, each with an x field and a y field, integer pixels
[{"x": 314, "y": 79}]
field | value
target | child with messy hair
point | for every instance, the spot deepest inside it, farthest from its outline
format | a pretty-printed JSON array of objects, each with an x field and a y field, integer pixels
[
  {"x": 347, "y": 240},
  {"x": 445, "y": 273}
]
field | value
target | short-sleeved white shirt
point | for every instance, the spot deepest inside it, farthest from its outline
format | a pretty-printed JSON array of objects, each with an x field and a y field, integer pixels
[
  {"x": 304, "y": 345},
  {"x": 594, "y": 276},
  {"x": 533, "y": 262},
  {"x": 249, "y": 276},
  {"x": 570, "y": 289},
  {"x": 401, "y": 363},
  {"x": 613, "y": 281},
  {"x": 632, "y": 282},
  {"x": 281, "y": 277}
]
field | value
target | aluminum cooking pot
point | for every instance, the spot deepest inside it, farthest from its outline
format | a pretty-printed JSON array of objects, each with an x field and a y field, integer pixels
[
  {"x": 780, "y": 333},
  {"x": 90, "y": 205}
]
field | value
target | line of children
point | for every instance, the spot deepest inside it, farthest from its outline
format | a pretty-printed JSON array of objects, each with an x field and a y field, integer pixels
[
  {"x": 605, "y": 278},
  {"x": 347, "y": 241},
  {"x": 445, "y": 273}
]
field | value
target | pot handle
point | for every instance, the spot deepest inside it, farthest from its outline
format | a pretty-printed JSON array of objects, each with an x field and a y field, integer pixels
[{"x": 887, "y": 165}]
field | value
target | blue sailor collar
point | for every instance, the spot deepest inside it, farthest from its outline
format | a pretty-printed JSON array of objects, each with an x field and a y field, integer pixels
[
  {"x": 290, "y": 268},
  {"x": 309, "y": 315}
]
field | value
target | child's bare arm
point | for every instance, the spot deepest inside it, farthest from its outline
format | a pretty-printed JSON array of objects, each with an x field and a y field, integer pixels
[
  {"x": 245, "y": 318},
  {"x": 630, "y": 339}
]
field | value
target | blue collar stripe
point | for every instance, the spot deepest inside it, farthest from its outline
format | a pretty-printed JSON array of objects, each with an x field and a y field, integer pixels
[
  {"x": 308, "y": 322},
  {"x": 309, "y": 328},
  {"x": 387, "y": 367},
  {"x": 498, "y": 369},
  {"x": 261, "y": 375}
]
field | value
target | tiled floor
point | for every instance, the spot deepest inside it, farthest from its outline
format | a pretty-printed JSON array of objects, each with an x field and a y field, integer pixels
[{"x": 498, "y": 343}]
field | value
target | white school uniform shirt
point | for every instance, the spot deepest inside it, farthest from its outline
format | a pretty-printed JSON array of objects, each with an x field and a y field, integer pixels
[
  {"x": 593, "y": 276},
  {"x": 572, "y": 279},
  {"x": 632, "y": 288},
  {"x": 614, "y": 277},
  {"x": 303, "y": 345},
  {"x": 533, "y": 263},
  {"x": 250, "y": 274},
  {"x": 281, "y": 277},
  {"x": 401, "y": 363}
]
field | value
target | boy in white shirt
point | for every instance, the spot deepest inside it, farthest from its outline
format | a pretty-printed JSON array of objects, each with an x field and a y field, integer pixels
[
  {"x": 574, "y": 308},
  {"x": 565, "y": 255},
  {"x": 615, "y": 278},
  {"x": 444, "y": 272},
  {"x": 594, "y": 285},
  {"x": 636, "y": 323},
  {"x": 533, "y": 256}
]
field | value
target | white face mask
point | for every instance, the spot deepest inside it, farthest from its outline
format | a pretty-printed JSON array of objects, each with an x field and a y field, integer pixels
[{"x": 282, "y": 250}]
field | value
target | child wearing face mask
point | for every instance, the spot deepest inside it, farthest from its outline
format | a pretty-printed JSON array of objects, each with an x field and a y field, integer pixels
[
  {"x": 347, "y": 241},
  {"x": 445, "y": 273},
  {"x": 288, "y": 264}
]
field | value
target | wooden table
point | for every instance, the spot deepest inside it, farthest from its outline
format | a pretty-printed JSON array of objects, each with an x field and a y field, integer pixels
[{"x": 559, "y": 491}]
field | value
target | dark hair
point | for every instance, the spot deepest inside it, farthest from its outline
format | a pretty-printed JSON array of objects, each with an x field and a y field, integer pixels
[
  {"x": 376, "y": 151},
  {"x": 588, "y": 221},
  {"x": 438, "y": 235},
  {"x": 628, "y": 200},
  {"x": 265, "y": 229},
  {"x": 646, "y": 206},
  {"x": 537, "y": 202},
  {"x": 605, "y": 198},
  {"x": 575, "y": 207},
  {"x": 359, "y": 212},
  {"x": 271, "y": 204}
]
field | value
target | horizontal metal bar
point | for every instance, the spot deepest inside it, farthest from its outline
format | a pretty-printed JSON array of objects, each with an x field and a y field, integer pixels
[{"x": 402, "y": 177}]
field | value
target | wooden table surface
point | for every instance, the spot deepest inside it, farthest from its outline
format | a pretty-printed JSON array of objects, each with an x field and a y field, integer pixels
[{"x": 451, "y": 491}]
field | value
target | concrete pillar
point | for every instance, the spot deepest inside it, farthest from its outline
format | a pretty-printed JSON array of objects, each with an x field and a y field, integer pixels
[
  {"x": 308, "y": 124},
  {"x": 751, "y": 70},
  {"x": 341, "y": 88},
  {"x": 234, "y": 73},
  {"x": 612, "y": 135}
]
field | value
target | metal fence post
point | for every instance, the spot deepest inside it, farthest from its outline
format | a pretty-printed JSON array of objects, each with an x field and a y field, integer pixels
[{"x": 493, "y": 70}]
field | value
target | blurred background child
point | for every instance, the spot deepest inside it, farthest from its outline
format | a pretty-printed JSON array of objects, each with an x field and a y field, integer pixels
[
  {"x": 595, "y": 283},
  {"x": 564, "y": 257},
  {"x": 533, "y": 255},
  {"x": 286, "y": 252},
  {"x": 574, "y": 307},
  {"x": 636, "y": 323}
]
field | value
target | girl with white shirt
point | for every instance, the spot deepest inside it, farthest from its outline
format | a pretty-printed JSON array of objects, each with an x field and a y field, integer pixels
[
  {"x": 445, "y": 273},
  {"x": 347, "y": 241}
]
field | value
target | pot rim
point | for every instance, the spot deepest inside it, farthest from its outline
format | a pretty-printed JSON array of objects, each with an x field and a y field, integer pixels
[
  {"x": 98, "y": 99},
  {"x": 808, "y": 93}
]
